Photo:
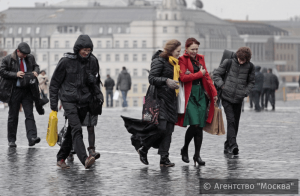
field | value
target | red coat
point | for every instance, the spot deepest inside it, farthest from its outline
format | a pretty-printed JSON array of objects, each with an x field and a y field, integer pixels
[{"x": 185, "y": 63}]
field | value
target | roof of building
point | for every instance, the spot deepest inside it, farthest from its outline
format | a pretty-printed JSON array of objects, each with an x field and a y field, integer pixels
[
  {"x": 79, "y": 3},
  {"x": 257, "y": 28}
]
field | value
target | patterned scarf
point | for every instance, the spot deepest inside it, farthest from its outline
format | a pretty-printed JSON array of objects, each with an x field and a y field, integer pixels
[{"x": 173, "y": 61}]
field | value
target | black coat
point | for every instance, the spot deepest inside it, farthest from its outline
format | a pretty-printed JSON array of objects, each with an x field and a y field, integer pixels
[
  {"x": 160, "y": 71},
  {"x": 109, "y": 84},
  {"x": 69, "y": 82},
  {"x": 267, "y": 80},
  {"x": 8, "y": 73},
  {"x": 239, "y": 82},
  {"x": 259, "y": 79},
  {"x": 274, "y": 82}
]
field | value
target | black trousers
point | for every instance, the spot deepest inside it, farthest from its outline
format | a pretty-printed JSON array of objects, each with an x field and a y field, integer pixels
[
  {"x": 251, "y": 98},
  {"x": 233, "y": 114},
  {"x": 267, "y": 96},
  {"x": 109, "y": 93},
  {"x": 272, "y": 97},
  {"x": 21, "y": 96},
  {"x": 256, "y": 95},
  {"x": 164, "y": 134},
  {"x": 74, "y": 135}
]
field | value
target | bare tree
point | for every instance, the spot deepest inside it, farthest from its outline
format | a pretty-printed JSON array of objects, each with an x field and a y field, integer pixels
[{"x": 2, "y": 27}]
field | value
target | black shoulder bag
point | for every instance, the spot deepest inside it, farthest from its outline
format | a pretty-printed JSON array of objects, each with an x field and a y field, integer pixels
[{"x": 151, "y": 106}]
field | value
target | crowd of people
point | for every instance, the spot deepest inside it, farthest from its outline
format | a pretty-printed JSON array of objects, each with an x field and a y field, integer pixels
[{"x": 76, "y": 83}]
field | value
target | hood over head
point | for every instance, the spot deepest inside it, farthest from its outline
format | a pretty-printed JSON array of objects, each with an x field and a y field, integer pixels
[
  {"x": 83, "y": 41},
  {"x": 264, "y": 70},
  {"x": 156, "y": 54},
  {"x": 257, "y": 68}
]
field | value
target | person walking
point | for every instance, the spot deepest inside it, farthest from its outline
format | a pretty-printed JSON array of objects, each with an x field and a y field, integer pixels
[
  {"x": 164, "y": 75},
  {"x": 274, "y": 87},
  {"x": 199, "y": 88},
  {"x": 109, "y": 86},
  {"x": 266, "y": 89},
  {"x": 75, "y": 80},
  {"x": 124, "y": 85},
  {"x": 43, "y": 81},
  {"x": 13, "y": 69},
  {"x": 240, "y": 81},
  {"x": 257, "y": 89}
]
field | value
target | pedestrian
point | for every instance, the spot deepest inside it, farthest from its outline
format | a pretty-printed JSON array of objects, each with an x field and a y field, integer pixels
[
  {"x": 257, "y": 89},
  {"x": 164, "y": 75},
  {"x": 274, "y": 87},
  {"x": 299, "y": 81},
  {"x": 199, "y": 89},
  {"x": 251, "y": 98},
  {"x": 266, "y": 89},
  {"x": 124, "y": 85},
  {"x": 75, "y": 80},
  {"x": 43, "y": 81},
  {"x": 239, "y": 82},
  {"x": 109, "y": 86},
  {"x": 12, "y": 70}
]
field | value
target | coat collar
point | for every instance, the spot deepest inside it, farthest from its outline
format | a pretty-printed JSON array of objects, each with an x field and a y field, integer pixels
[
  {"x": 198, "y": 56},
  {"x": 14, "y": 55}
]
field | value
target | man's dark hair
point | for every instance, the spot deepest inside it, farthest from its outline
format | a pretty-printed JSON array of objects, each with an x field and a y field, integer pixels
[
  {"x": 124, "y": 68},
  {"x": 108, "y": 75},
  {"x": 270, "y": 70},
  {"x": 244, "y": 54}
]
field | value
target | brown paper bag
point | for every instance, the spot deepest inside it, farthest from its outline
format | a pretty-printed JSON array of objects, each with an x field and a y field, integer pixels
[{"x": 216, "y": 127}]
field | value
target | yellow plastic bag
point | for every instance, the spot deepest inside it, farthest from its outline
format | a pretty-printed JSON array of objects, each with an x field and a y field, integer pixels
[{"x": 52, "y": 129}]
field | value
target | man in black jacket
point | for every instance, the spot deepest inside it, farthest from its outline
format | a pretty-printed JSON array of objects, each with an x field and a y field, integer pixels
[
  {"x": 109, "y": 86},
  {"x": 238, "y": 84},
  {"x": 274, "y": 87},
  {"x": 74, "y": 80},
  {"x": 259, "y": 81},
  {"x": 12, "y": 70}
]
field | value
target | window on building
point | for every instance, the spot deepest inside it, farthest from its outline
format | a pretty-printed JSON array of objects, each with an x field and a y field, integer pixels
[
  {"x": 99, "y": 44},
  {"x": 101, "y": 30},
  {"x": 119, "y": 30},
  {"x": 117, "y": 44},
  {"x": 135, "y": 88},
  {"x": 144, "y": 44},
  {"x": 10, "y": 30},
  {"x": 19, "y": 30},
  {"x": 134, "y": 44},
  {"x": 134, "y": 57},
  {"x": 176, "y": 30},
  {"x": 44, "y": 57},
  {"x": 167, "y": 18},
  {"x": 126, "y": 57},
  {"x": 292, "y": 46},
  {"x": 144, "y": 89},
  {"x": 28, "y": 31},
  {"x": 292, "y": 57},
  {"x": 56, "y": 57},
  {"x": 8, "y": 44},
  {"x": 283, "y": 79},
  {"x": 135, "y": 103},
  {"x": 135, "y": 72},
  {"x": 117, "y": 71},
  {"x": 127, "y": 30},
  {"x": 108, "y": 57},
  {"x": 108, "y": 45},
  {"x": 294, "y": 79},
  {"x": 126, "y": 44},
  {"x": 288, "y": 57},
  {"x": 117, "y": 57},
  {"x": 109, "y": 30},
  {"x": 288, "y": 46},
  {"x": 56, "y": 44},
  {"x": 145, "y": 72},
  {"x": 36, "y": 44},
  {"x": 175, "y": 16},
  {"x": 165, "y": 30},
  {"x": 67, "y": 44},
  {"x": 44, "y": 44},
  {"x": 99, "y": 57},
  {"x": 277, "y": 57},
  {"x": 107, "y": 71},
  {"x": 164, "y": 43},
  {"x": 37, "y": 30},
  {"x": 144, "y": 57}
]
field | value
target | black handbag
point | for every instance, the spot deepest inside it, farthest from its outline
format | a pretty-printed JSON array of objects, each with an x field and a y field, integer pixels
[
  {"x": 62, "y": 133},
  {"x": 27, "y": 79},
  {"x": 43, "y": 99},
  {"x": 95, "y": 105},
  {"x": 151, "y": 106}
]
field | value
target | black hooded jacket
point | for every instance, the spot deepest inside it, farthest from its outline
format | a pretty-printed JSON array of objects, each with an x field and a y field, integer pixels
[
  {"x": 259, "y": 79},
  {"x": 160, "y": 71},
  {"x": 69, "y": 82}
]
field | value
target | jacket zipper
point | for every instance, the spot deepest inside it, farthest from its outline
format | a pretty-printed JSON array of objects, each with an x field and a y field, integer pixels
[{"x": 237, "y": 78}]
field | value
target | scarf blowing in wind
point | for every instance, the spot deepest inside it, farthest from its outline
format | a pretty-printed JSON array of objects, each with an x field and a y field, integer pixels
[{"x": 174, "y": 61}]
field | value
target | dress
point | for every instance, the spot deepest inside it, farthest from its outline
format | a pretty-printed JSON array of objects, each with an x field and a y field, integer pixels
[
  {"x": 90, "y": 120},
  {"x": 196, "y": 107}
]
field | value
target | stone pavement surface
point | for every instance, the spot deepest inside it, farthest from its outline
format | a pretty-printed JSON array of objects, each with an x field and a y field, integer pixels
[{"x": 269, "y": 148}]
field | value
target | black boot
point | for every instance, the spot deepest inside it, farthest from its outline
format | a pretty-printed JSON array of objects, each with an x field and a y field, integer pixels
[
  {"x": 165, "y": 162},
  {"x": 70, "y": 157},
  {"x": 185, "y": 155},
  {"x": 93, "y": 152},
  {"x": 198, "y": 143},
  {"x": 143, "y": 155},
  {"x": 273, "y": 107},
  {"x": 198, "y": 160}
]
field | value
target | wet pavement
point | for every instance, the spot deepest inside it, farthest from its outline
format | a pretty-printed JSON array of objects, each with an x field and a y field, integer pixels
[{"x": 269, "y": 145}]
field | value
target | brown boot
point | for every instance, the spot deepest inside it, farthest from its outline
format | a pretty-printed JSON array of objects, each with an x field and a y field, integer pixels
[
  {"x": 89, "y": 161},
  {"x": 62, "y": 164},
  {"x": 93, "y": 152}
]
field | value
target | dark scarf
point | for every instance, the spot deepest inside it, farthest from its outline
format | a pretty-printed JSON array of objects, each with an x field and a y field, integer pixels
[{"x": 83, "y": 60}]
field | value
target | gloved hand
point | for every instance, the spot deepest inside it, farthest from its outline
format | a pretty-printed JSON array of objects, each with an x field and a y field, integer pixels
[
  {"x": 91, "y": 79},
  {"x": 172, "y": 84}
]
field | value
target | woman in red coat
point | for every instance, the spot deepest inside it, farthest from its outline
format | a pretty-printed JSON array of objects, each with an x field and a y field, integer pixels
[{"x": 199, "y": 89}]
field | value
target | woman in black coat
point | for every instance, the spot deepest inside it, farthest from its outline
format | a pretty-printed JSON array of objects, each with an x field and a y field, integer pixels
[{"x": 164, "y": 75}]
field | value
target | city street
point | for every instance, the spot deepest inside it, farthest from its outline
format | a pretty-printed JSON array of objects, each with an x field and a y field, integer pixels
[{"x": 268, "y": 141}]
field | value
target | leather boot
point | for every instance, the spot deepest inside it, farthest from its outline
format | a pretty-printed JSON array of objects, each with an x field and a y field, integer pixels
[
  {"x": 197, "y": 159},
  {"x": 143, "y": 155},
  {"x": 93, "y": 152},
  {"x": 185, "y": 155},
  {"x": 165, "y": 162}
]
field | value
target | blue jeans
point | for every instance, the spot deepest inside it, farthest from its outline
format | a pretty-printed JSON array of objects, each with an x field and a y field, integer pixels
[
  {"x": 109, "y": 93},
  {"x": 124, "y": 96}
]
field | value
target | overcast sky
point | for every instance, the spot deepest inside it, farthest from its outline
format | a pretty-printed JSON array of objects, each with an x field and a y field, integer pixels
[{"x": 225, "y": 9}]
